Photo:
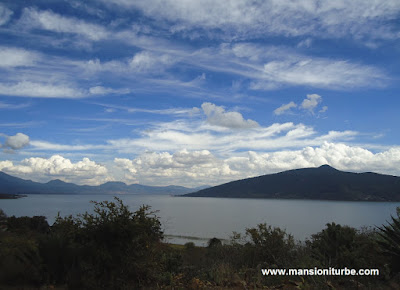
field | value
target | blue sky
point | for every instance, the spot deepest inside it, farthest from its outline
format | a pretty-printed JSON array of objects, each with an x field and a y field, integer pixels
[{"x": 197, "y": 92}]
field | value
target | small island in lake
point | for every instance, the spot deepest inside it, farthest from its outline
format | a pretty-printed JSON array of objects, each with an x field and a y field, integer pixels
[
  {"x": 322, "y": 183},
  {"x": 11, "y": 196}
]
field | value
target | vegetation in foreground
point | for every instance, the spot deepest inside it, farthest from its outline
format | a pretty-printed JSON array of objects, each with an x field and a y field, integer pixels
[{"x": 115, "y": 248}]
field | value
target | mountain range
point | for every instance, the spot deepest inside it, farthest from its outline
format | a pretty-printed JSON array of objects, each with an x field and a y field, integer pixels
[
  {"x": 322, "y": 183},
  {"x": 14, "y": 185}
]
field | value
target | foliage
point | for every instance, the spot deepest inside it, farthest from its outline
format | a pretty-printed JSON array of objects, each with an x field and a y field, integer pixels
[
  {"x": 3, "y": 216},
  {"x": 334, "y": 245},
  {"x": 214, "y": 242},
  {"x": 114, "y": 248},
  {"x": 269, "y": 245},
  {"x": 36, "y": 224},
  {"x": 390, "y": 241}
]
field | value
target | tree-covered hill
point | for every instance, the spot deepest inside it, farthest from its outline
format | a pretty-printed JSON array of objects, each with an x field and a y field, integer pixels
[{"x": 322, "y": 183}]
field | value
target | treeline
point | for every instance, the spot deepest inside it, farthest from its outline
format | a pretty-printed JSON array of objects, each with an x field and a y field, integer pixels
[{"x": 114, "y": 248}]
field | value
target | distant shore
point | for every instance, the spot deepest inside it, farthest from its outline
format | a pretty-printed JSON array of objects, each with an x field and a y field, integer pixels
[{"x": 11, "y": 196}]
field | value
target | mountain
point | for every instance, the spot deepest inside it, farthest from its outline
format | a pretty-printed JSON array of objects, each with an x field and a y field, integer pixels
[
  {"x": 322, "y": 183},
  {"x": 14, "y": 185}
]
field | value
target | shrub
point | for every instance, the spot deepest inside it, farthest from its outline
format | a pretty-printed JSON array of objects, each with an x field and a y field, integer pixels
[{"x": 110, "y": 249}]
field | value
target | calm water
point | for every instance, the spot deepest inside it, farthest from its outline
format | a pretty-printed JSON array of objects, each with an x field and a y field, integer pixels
[{"x": 199, "y": 219}]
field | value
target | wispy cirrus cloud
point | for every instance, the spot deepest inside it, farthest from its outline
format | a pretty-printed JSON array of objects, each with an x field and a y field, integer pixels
[
  {"x": 40, "y": 90},
  {"x": 9, "y": 106},
  {"x": 215, "y": 130},
  {"x": 5, "y": 14},
  {"x": 171, "y": 111},
  {"x": 16, "y": 57},
  {"x": 246, "y": 19},
  {"x": 48, "y": 20}
]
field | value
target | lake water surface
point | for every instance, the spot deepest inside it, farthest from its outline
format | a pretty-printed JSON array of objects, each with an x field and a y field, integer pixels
[{"x": 199, "y": 219}]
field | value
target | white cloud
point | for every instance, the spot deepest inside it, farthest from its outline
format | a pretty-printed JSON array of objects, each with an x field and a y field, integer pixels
[
  {"x": 199, "y": 167},
  {"x": 51, "y": 21},
  {"x": 217, "y": 116},
  {"x": 311, "y": 102},
  {"x": 324, "y": 109},
  {"x": 42, "y": 169},
  {"x": 284, "y": 108},
  {"x": 6, "y": 164},
  {"x": 193, "y": 168},
  {"x": 40, "y": 90},
  {"x": 15, "y": 57},
  {"x": 13, "y": 106},
  {"x": 173, "y": 111},
  {"x": 183, "y": 167},
  {"x": 44, "y": 145},
  {"x": 99, "y": 90},
  {"x": 319, "y": 72},
  {"x": 146, "y": 62},
  {"x": 271, "y": 67},
  {"x": 143, "y": 62},
  {"x": 360, "y": 19},
  {"x": 305, "y": 43},
  {"x": 15, "y": 142},
  {"x": 192, "y": 135},
  {"x": 5, "y": 14}
]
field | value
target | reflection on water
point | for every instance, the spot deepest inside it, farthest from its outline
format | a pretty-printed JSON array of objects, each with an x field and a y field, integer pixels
[{"x": 198, "y": 219}]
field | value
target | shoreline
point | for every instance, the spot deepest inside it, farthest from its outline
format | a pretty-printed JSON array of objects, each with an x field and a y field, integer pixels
[{"x": 11, "y": 196}]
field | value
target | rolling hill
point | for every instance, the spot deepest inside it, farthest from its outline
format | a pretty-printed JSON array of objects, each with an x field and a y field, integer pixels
[
  {"x": 322, "y": 183},
  {"x": 14, "y": 185}
]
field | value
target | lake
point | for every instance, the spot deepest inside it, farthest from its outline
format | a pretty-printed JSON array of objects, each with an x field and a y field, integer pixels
[{"x": 198, "y": 219}]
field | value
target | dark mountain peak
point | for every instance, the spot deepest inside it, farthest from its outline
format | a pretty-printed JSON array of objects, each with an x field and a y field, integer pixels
[
  {"x": 327, "y": 167},
  {"x": 15, "y": 185},
  {"x": 56, "y": 182},
  {"x": 120, "y": 183},
  {"x": 324, "y": 183}
]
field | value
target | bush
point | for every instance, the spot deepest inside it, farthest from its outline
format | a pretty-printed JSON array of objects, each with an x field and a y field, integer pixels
[
  {"x": 390, "y": 241},
  {"x": 110, "y": 249}
]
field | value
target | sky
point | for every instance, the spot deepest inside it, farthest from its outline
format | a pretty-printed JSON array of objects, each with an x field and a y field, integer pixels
[{"x": 197, "y": 92}]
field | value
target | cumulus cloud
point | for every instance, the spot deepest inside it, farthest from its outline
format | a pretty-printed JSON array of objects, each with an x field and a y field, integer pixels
[
  {"x": 5, "y": 14},
  {"x": 199, "y": 167},
  {"x": 183, "y": 167},
  {"x": 311, "y": 102},
  {"x": 42, "y": 169},
  {"x": 193, "y": 168},
  {"x": 338, "y": 155},
  {"x": 284, "y": 108},
  {"x": 217, "y": 116},
  {"x": 15, "y": 142}
]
